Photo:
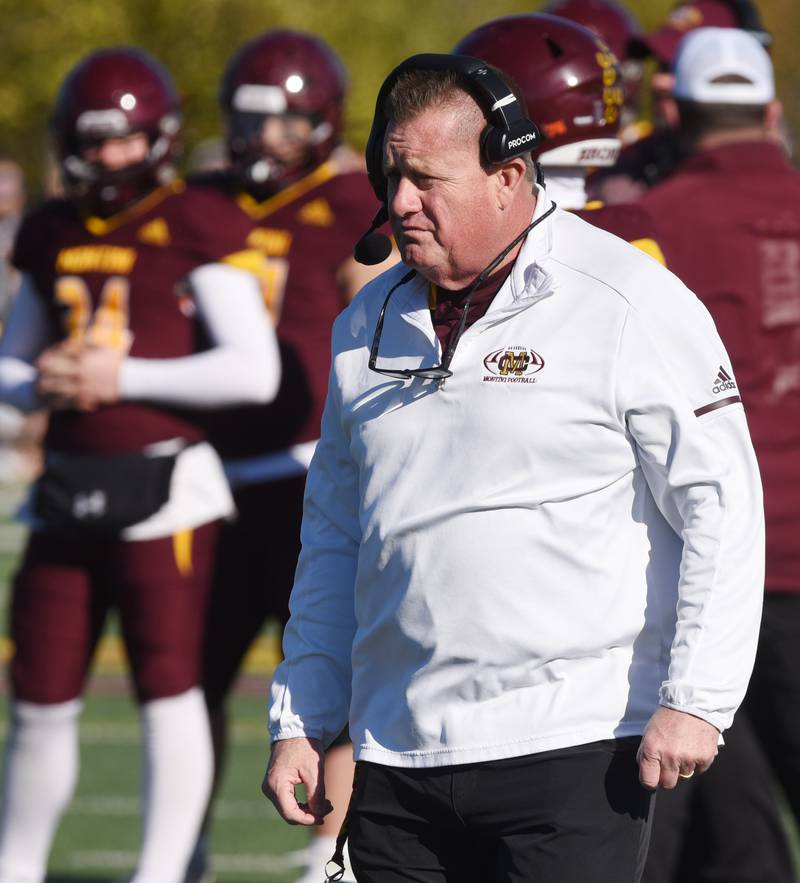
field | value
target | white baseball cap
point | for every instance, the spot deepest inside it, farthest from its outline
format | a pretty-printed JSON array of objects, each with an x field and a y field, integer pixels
[{"x": 708, "y": 55}]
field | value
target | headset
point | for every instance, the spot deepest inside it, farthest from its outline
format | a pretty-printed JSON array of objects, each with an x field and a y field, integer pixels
[{"x": 509, "y": 132}]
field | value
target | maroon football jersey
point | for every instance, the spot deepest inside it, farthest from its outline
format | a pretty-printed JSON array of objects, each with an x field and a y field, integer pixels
[
  {"x": 118, "y": 282},
  {"x": 629, "y": 221},
  {"x": 307, "y": 231},
  {"x": 729, "y": 223}
]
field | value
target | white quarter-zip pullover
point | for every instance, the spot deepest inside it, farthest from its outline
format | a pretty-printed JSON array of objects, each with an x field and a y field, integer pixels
[{"x": 538, "y": 551}]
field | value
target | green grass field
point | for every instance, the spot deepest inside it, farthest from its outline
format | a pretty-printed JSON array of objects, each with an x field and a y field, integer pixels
[{"x": 98, "y": 838}]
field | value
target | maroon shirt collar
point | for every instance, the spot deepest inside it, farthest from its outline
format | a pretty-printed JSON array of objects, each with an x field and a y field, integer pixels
[{"x": 446, "y": 306}]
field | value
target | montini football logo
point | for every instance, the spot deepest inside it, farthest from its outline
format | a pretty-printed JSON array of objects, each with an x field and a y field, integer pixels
[{"x": 512, "y": 364}]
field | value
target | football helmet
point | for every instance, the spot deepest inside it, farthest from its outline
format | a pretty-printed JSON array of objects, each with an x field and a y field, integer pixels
[
  {"x": 569, "y": 78},
  {"x": 687, "y": 15},
  {"x": 282, "y": 73},
  {"x": 614, "y": 24},
  {"x": 113, "y": 93}
]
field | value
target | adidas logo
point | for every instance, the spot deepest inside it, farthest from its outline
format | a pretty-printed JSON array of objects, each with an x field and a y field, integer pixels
[
  {"x": 156, "y": 232},
  {"x": 723, "y": 381},
  {"x": 317, "y": 213}
]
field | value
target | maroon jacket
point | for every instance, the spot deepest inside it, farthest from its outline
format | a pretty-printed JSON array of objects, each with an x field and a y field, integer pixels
[{"x": 729, "y": 224}]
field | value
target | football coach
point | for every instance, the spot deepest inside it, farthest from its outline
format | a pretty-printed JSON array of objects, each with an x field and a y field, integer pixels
[{"x": 532, "y": 561}]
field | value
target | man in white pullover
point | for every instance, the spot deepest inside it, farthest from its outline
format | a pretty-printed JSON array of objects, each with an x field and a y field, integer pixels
[{"x": 533, "y": 536}]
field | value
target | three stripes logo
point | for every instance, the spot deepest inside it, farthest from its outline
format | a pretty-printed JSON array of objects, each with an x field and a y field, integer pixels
[{"x": 723, "y": 381}]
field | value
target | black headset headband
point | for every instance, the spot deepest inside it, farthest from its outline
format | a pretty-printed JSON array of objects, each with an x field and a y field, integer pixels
[{"x": 509, "y": 133}]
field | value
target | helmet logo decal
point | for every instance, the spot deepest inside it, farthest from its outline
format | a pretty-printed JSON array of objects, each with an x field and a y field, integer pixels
[
  {"x": 685, "y": 18},
  {"x": 255, "y": 98},
  {"x": 554, "y": 129},
  {"x": 512, "y": 364},
  {"x": 613, "y": 93}
]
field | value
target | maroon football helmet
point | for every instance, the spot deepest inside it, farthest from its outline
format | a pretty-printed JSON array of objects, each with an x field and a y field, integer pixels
[
  {"x": 282, "y": 72},
  {"x": 569, "y": 78},
  {"x": 614, "y": 24},
  {"x": 616, "y": 27},
  {"x": 113, "y": 93}
]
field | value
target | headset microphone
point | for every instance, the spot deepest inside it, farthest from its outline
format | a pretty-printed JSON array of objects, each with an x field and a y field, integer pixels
[{"x": 373, "y": 248}]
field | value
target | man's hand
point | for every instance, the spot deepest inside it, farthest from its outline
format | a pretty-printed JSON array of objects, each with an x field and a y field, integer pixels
[
  {"x": 98, "y": 376},
  {"x": 74, "y": 375},
  {"x": 297, "y": 762},
  {"x": 675, "y": 744},
  {"x": 57, "y": 383}
]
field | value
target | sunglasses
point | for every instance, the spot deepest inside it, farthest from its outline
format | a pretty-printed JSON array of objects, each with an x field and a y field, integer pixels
[{"x": 442, "y": 370}]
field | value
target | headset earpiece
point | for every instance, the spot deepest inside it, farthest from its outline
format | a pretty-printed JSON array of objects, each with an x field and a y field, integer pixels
[{"x": 509, "y": 132}]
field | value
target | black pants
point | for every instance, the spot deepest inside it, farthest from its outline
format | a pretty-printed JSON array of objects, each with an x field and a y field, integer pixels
[{"x": 568, "y": 816}]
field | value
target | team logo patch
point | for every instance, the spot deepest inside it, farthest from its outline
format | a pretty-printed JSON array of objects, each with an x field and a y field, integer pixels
[{"x": 512, "y": 364}]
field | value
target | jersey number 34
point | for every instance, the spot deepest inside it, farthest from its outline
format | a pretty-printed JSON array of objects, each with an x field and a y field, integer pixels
[{"x": 108, "y": 324}]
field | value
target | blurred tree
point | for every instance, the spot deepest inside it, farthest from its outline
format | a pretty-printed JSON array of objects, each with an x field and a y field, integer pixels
[{"x": 42, "y": 39}]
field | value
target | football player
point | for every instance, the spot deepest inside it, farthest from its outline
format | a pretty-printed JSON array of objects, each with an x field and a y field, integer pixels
[
  {"x": 303, "y": 198},
  {"x": 131, "y": 319},
  {"x": 616, "y": 27},
  {"x": 572, "y": 85}
]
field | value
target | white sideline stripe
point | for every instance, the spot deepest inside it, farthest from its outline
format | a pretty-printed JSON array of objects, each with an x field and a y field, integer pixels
[
  {"x": 118, "y": 860},
  {"x": 130, "y": 805}
]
